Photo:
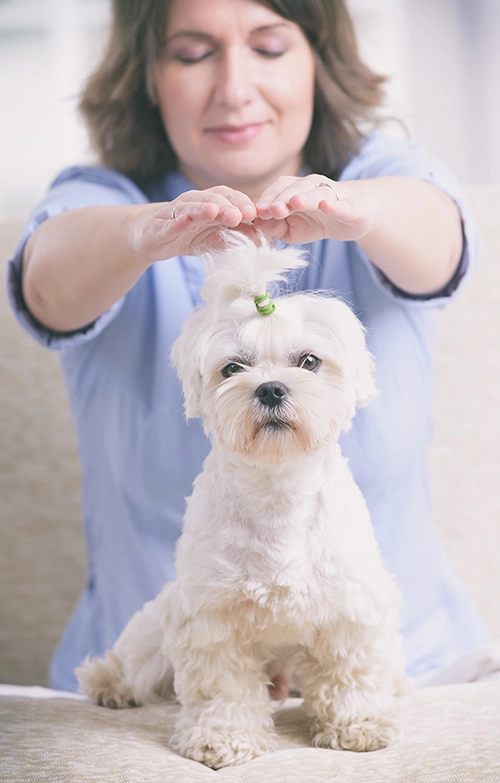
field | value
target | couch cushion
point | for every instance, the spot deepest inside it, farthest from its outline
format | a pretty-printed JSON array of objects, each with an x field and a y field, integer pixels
[{"x": 452, "y": 737}]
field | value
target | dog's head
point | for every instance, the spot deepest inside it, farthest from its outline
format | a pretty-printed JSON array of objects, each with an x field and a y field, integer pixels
[{"x": 270, "y": 387}]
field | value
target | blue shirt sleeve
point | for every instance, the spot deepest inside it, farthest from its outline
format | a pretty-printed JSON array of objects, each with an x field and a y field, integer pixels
[
  {"x": 74, "y": 188},
  {"x": 381, "y": 156}
]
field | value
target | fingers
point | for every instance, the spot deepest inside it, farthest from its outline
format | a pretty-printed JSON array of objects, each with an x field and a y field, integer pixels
[
  {"x": 192, "y": 221},
  {"x": 345, "y": 211},
  {"x": 277, "y": 191},
  {"x": 193, "y": 224},
  {"x": 273, "y": 228},
  {"x": 204, "y": 212},
  {"x": 220, "y": 204},
  {"x": 297, "y": 194},
  {"x": 292, "y": 209}
]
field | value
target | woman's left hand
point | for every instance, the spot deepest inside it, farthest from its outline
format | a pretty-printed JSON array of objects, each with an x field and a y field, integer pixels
[
  {"x": 410, "y": 229},
  {"x": 298, "y": 210}
]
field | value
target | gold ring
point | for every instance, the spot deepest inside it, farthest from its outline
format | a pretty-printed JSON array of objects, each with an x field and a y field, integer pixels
[{"x": 329, "y": 185}]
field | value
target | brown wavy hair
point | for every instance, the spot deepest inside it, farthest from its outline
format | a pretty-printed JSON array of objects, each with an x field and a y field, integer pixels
[{"x": 125, "y": 127}]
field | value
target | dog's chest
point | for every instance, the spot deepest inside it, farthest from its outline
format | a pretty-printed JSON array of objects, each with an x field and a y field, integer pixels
[
  {"x": 278, "y": 564},
  {"x": 269, "y": 559},
  {"x": 279, "y": 593}
]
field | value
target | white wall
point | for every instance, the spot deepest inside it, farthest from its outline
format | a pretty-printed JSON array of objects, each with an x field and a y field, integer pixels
[
  {"x": 46, "y": 49},
  {"x": 441, "y": 56}
]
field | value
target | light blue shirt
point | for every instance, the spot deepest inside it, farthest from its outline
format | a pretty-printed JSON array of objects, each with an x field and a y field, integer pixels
[{"x": 139, "y": 457}]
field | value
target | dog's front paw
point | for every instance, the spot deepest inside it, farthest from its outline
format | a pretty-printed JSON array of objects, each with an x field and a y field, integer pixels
[
  {"x": 102, "y": 680},
  {"x": 221, "y": 747},
  {"x": 372, "y": 734}
]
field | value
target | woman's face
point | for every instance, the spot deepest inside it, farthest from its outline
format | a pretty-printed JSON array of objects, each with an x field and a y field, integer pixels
[{"x": 235, "y": 89}]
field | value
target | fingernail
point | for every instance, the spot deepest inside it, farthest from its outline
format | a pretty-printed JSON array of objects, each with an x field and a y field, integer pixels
[{"x": 262, "y": 205}]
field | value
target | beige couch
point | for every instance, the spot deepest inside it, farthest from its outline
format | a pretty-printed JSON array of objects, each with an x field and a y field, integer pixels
[{"x": 454, "y": 731}]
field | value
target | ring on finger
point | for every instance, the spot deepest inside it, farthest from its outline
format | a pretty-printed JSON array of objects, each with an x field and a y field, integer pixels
[
  {"x": 329, "y": 185},
  {"x": 172, "y": 216}
]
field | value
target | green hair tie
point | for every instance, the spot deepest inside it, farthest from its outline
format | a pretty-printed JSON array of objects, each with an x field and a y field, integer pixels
[{"x": 264, "y": 304}]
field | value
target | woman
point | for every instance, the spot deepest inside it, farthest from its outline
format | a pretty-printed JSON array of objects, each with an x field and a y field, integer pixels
[{"x": 241, "y": 114}]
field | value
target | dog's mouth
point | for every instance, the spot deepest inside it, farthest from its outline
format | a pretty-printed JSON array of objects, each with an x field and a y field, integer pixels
[
  {"x": 275, "y": 420},
  {"x": 276, "y": 424}
]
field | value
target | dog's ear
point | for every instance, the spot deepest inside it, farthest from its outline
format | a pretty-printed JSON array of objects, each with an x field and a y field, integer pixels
[
  {"x": 365, "y": 387},
  {"x": 187, "y": 353},
  {"x": 359, "y": 362}
]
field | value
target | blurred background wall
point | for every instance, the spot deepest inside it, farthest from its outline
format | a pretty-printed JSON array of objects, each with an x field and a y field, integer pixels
[{"x": 442, "y": 57}]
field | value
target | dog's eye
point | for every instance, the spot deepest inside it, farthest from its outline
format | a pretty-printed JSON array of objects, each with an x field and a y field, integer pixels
[
  {"x": 309, "y": 362},
  {"x": 231, "y": 369}
]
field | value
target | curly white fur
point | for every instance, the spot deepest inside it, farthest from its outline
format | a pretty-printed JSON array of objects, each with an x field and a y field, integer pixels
[{"x": 277, "y": 559}]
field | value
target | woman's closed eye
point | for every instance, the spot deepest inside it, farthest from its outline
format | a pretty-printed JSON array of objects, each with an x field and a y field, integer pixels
[
  {"x": 193, "y": 47},
  {"x": 191, "y": 55},
  {"x": 269, "y": 43},
  {"x": 270, "y": 53}
]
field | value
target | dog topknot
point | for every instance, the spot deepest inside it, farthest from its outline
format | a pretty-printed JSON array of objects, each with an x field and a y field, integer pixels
[{"x": 246, "y": 267}]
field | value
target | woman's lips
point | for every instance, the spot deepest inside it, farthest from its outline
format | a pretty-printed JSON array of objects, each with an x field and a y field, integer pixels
[{"x": 236, "y": 134}]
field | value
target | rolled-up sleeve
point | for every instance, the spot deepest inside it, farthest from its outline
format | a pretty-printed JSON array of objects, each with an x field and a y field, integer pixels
[{"x": 74, "y": 188}]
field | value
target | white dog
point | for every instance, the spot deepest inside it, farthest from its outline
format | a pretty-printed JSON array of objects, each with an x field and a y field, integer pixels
[{"x": 277, "y": 561}]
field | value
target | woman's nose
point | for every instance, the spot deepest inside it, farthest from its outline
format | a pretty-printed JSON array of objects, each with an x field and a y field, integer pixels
[{"x": 234, "y": 80}]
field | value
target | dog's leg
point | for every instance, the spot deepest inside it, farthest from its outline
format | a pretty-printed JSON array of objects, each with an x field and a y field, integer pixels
[
  {"x": 226, "y": 713},
  {"x": 135, "y": 671},
  {"x": 349, "y": 681}
]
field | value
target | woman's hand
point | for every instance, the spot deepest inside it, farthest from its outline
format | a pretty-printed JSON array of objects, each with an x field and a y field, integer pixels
[
  {"x": 410, "y": 229},
  {"x": 303, "y": 209},
  {"x": 79, "y": 263},
  {"x": 190, "y": 223}
]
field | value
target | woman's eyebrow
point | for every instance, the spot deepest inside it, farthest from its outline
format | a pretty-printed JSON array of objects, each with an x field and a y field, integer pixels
[
  {"x": 188, "y": 34},
  {"x": 207, "y": 36}
]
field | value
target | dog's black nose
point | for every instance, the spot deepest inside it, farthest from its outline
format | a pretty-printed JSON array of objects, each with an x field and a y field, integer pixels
[{"x": 271, "y": 393}]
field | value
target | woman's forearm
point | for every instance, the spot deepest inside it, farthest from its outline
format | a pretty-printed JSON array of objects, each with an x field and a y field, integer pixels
[
  {"x": 408, "y": 228},
  {"x": 415, "y": 237},
  {"x": 79, "y": 263}
]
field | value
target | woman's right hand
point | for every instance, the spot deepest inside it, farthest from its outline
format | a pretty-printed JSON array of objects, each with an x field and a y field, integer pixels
[
  {"x": 190, "y": 223},
  {"x": 80, "y": 262}
]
